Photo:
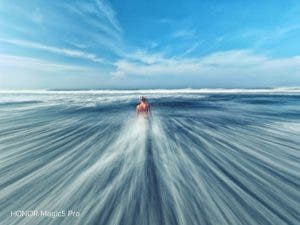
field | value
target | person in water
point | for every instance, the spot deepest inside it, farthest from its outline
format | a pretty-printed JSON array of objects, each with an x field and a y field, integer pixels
[{"x": 143, "y": 108}]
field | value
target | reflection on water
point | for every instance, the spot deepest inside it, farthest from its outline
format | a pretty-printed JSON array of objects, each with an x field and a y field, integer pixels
[{"x": 202, "y": 159}]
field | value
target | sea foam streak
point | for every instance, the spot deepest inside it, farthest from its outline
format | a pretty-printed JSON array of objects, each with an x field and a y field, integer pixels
[{"x": 203, "y": 158}]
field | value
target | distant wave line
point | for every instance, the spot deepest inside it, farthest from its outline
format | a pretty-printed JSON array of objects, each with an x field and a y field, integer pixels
[{"x": 160, "y": 91}]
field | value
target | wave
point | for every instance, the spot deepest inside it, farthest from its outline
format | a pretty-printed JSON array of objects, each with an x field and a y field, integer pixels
[
  {"x": 217, "y": 160},
  {"x": 161, "y": 91}
]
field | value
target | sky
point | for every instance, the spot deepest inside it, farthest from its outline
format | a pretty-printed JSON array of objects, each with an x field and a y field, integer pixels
[{"x": 125, "y": 44}]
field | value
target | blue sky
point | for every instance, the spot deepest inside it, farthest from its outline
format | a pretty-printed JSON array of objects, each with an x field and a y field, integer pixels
[{"x": 149, "y": 44}]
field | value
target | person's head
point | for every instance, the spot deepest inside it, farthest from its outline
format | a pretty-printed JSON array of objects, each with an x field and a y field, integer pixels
[{"x": 142, "y": 99}]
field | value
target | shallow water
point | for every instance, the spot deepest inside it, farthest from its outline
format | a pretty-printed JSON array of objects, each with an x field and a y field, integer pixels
[{"x": 204, "y": 158}]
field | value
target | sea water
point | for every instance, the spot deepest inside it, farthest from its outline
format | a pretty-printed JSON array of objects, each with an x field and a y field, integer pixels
[{"x": 205, "y": 157}]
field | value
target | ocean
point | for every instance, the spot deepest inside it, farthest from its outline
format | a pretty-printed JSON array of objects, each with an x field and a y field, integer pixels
[{"x": 207, "y": 156}]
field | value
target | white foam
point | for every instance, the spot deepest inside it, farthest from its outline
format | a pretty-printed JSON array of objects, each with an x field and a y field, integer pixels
[{"x": 159, "y": 91}]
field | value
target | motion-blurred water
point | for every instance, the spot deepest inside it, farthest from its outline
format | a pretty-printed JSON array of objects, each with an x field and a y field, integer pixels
[{"x": 206, "y": 157}]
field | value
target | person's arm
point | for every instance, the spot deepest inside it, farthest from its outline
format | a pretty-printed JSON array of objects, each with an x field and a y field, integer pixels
[{"x": 137, "y": 110}]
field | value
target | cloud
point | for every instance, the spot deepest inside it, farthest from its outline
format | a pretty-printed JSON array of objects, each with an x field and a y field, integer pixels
[
  {"x": 89, "y": 23},
  {"x": 18, "y": 72},
  {"x": 184, "y": 34},
  {"x": 98, "y": 16},
  {"x": 239, "y": 65},
  {"x": 85, "y": 29},
  {"x": 192, "y": 48},
  {"x": 262, "y": 37},
  {"x": 143, "y": 57},
  {"x": 20, "y": 63},
  {"x": 105, "y": 8},
  {"x": 56, "y": 50}
]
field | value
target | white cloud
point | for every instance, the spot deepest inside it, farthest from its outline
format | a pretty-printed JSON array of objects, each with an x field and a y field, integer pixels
[
  {"x": 89, "y": 23},
  {"x": 18, "y": 72},
  {"x": 265, "y": 37},
  {"x": 95, "y": 16},
  {"x": 225, "y": 65},
  {"x": 184, "y": 34},
  {"x": 144, "y": 57},
  {"x": 192, "y": 48},
  {"x": 56, "y": 50},
  {"x": 105, "y": 8},
  {"x": 100, "y": 30},
  {"x": 18, "y": 63}
]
